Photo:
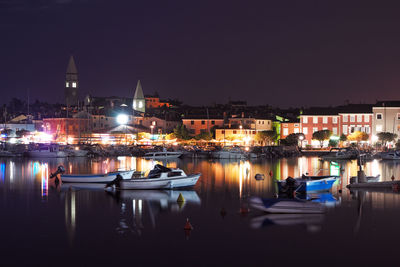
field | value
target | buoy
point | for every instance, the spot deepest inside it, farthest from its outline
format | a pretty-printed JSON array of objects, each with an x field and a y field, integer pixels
[
  {"x": 392, "y": 178},
  {"x": 180, "y": 198},
  {"x": 270, "y": 173},
  {"x": 188, "y": 226}
]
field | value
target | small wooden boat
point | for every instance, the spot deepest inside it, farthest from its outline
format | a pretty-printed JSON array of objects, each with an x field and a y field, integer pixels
[
  {"x": 160, "y": 178},
  {"x": 286, "y": 205},
  {"x": 307, "y": 183},
  {"x": 91, "y": 178}
]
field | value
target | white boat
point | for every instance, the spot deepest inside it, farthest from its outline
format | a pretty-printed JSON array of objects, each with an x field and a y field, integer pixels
[
  {"x": 229, "y": 153},
  {"x": 392, "y": 155},
  {"x": 46, "y": 151},
  {"x": 95, "y": 178},
  {"x": 163, "y": 155},
  {"x": 283, "y": 205},
  {"x": 160, "y": 178}
]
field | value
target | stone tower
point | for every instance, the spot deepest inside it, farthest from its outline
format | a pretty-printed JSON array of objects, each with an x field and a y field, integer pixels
[
  {"x": 139, "y": 102},
  {"x": 71, "y": 84}
]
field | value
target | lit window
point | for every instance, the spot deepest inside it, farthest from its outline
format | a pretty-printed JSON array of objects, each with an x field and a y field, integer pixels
[
  {"x": 74, "y": 84},
  {"x": 366, "y": 118},
  {"x": 140, "y": 104},
  {"x": 285, "y": 131},
  {"x": 359, "y": 118},
  {"x": 305, "y": 130},
  {"x": 315, "y": 129},
  {"x": 325, "y": 120},
  {"x": 67, "y": 84},
  {"x": 379, "y": 116},
  {"x": 305, "y": 120},
  {"x": 315, "y": 119},
  {"x": 296, "y": 130},
  {"x": 352, "y": 118},
  {"x": 134, "y": 104},
  {"x": 367, "y": 129},
  {"x": 334, "y": 120},
  {"x": 334, "y": 130},
  {"x": 344, "y": 129},
  {"x": 378, "y": 128},
  {"x": 345, "y": 118}
]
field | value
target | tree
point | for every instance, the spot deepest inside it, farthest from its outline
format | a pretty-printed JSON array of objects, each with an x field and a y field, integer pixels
[
  {"x": 181, "y": 132},
  {"x": 343, "y": 138},
  {"x": 266, "y": 137},
  {"x": 333, "y": 143},
  {"x": 321, "y": 136},
  {"x": 204, "y": 136},
  {"x": 386, "y": 137},
  {"x": 293, "y": 139},
  {"x": 358, "y": 136}
]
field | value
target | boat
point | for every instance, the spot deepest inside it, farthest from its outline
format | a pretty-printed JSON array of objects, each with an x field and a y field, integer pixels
[
  {"x": 162, "y": 155},
  {"x": 342, "y": 154},
  {"x": 46, "y": 151},
  {"x": 392, "y": 155},
  {"x": 160, "y": 178},
  {"x": 286, "y": 205},
  {"x": 229, "y": 153},
  {"x": 370, "y": 179},
  {"x": 307, "y": 183},
  {"x": 91, "y": 178}
]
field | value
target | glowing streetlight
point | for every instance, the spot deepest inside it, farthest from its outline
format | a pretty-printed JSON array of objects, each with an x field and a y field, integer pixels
[
  {"x": 301, "y": 138},
  {"x": 123, "y": 119}
]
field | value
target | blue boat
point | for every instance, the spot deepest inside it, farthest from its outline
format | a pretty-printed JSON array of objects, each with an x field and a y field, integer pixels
[{"x": 307, "y": 184}]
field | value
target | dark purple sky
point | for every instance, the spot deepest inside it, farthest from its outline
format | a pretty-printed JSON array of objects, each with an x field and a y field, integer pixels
[{"x": 281, "y": 53}]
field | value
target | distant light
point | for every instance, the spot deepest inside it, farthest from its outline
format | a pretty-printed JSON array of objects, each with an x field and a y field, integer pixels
[
  {"x": 374, "y": 138},
  {"x": 333, "y": 137},
  {"x": 13, "y": 140},
  {"x": 122, "y": 119}
]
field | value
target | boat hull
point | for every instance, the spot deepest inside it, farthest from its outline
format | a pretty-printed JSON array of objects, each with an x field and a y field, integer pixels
[
  {"x": 163, "y": 183},
  {"x": 305, "y": 185},
  {"x": 95, "y": 178},
  {"x": 46, "y": 154},
  {"x": 163, "y": 155}
]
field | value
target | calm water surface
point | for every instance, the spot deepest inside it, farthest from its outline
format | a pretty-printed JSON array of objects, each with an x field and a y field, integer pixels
[{"x": 68, "y": 225}]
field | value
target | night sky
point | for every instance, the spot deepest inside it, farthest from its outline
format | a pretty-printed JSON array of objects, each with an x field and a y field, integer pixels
[{"x": 281, "y": 53}]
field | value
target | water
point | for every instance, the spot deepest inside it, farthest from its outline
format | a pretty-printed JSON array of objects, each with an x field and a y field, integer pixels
[{"x": 45, "y": 225}]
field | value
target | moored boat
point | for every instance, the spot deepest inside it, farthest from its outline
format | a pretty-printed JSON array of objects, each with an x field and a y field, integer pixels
[
  {"x": 286, "y": 205},
  {"x": 392, "y": 155},
  {"x": 307, "y": 183},
  {"x": 46, "y": 151},
  {"x": 163, "y": 155},
  {"x": 160, "y": 178}
]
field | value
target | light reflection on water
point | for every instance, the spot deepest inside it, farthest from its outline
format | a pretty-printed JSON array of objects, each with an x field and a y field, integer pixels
[{"x": 219, "y": 197}]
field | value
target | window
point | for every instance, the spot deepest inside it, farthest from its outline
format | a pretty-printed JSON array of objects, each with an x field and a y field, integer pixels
[
  {"x": 67, "y": 84},
  {"x": 334, "y": 130},
  {"x": 203, "y": 122},
  {"x": 334, "y": 120},
  {"x": 315, "y": 129},
  {"x": 191, "y": 122},
  {"x": 378, "y": 128},
  {"x": 305, "y": 130},
  {"x": 345, "y": 129},
  {"x": 315, "y": 119},
  {"x": 285, "y": 131},
  {"x": 296, "y": 125},
  {"x": 296, "y": 130},
  {"x": 73, "y": 84},
  {"x": 366, "y": 118},
  {"x": 213, "y": 122},
  {"x": 352, "y": 118},
  {"x": 223, "y": 131},
  {"x": 378, "y": 116},
  {"x": 305, "y": 120},
  {"x": 234, "y": 131},
  {"x": 140, "y": 104},
  {"x": 324, "y": 128},
  {"x": 398, "y": 116},
  {"x": 345, "y": 118},
  {"x": 359, "y": 118},
  {"x": 325, "y": 120}
]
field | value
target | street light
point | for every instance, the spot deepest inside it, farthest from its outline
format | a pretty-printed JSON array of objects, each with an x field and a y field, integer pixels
[
  {"x": 301, "y": 138},
  {"x": 122, "y": 119}
]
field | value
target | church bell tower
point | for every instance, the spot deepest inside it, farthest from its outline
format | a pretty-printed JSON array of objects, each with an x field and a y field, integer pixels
[
  {"x": 139, "y": 102},
  {"x": 71, "y": 84}
]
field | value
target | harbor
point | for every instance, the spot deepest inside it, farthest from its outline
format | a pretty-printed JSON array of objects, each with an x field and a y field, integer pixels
[{"x": 215, "y": 215}]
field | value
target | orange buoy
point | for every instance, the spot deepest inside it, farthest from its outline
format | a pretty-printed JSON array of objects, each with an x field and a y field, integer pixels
[{"x": 188, "y": 226}]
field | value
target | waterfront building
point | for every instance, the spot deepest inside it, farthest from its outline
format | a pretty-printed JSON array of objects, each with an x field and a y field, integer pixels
[
  {"x": 196, "y": 125},
  {"x": 386, "y": 117},
  {"x": 153, "y": 101},
  {"x": 156, "y": 125},
  {"x": 71, "y": 84},
  {"x": 288, "y": 128}
]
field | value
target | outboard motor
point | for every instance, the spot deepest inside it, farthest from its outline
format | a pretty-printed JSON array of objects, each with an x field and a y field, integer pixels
[
  {"x": 60, "y": 170},
  {"x": 115, "y": 181},
  {"x": 289, "y": 188}
]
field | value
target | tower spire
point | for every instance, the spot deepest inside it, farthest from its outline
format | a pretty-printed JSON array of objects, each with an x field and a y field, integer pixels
[{"x": 138, "y": 99}]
